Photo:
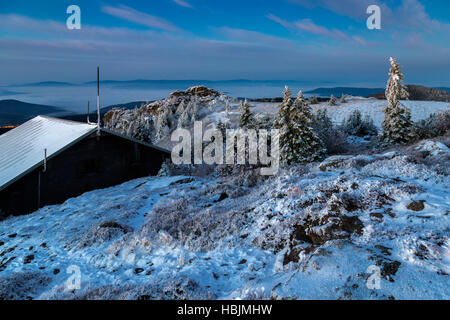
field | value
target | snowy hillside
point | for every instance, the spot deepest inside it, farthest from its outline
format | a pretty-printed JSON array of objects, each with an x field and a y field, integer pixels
[{"x": 311, "y": 232}]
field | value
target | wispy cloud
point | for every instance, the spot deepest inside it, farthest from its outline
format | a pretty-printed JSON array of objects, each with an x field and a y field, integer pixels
[
  {"x": 183, "y": 3},
  {"x": 280, "y": 21},
  {"x": 361, "y": 41},
  {"x": 132, "y": 15},
  {"x": 307, "y": 25},
  {"x": 355, "y": 9},
  {"x": 412, "y": 15},
  {"x": 254, "y": 37},
  {"x": 409, "y": 14},
  {"x": 13, "y": 22}
]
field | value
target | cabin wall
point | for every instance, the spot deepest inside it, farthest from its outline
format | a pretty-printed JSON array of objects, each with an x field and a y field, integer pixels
[{"x": 93, "y": 163}]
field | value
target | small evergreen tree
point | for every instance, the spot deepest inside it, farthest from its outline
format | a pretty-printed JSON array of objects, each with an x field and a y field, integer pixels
[
  {"x": 222, "y": 128},
  {"x": 356, "y": 125},
  {"x": 343, "y": 98},
  {"x": 313, "y": 100},
  {"x": 165, "y": 169},
  {"x": 240, "y": 106},
  {"x": 352, "y": 124},
  {"x": 322, "y": 120},
  {"x": 368, "y": 126},
  {"x": 247, "y": 119},
  {"x": 332, "y": 101},
  {"x": 227, "y": 108},
  {"x": 298, "y": 143},
  {"x": 397, "y": 126}
]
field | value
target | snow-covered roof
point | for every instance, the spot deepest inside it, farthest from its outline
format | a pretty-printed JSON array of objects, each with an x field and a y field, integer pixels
[{"x": 22, "y": 148}]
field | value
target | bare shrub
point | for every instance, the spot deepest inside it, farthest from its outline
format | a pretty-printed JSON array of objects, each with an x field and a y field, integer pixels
[
  {"x": 179, "y": 288},
  {"x": 102, "y": 233},
  {"x": 199, "y": 223},
  {"x": 438, "y": 124}
]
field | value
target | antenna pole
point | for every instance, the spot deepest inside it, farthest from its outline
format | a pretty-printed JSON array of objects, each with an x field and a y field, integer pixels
[{"x": 98, "y": 100}]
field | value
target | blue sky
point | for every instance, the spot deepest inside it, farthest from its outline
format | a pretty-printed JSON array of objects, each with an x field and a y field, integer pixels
[{"x": 316, "y": 40}]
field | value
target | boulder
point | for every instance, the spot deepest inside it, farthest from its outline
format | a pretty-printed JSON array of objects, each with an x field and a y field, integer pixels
[{"x": 416, "y": 205}]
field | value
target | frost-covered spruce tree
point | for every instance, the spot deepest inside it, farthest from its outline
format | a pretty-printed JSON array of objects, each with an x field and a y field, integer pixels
[
  {"x": 397, "y": 126},
  {"x": 343, "y": 98},
  {"x": 332, "y": 101},
  {"x": 312, "y": 148},
  {"x": 298, "y": 143},
  {"x": 247, "y": 119}
]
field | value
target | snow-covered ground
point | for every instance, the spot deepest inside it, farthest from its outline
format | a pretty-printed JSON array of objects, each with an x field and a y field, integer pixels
[
  {"x": 319, "y": 231},
  {"x": 372, "y": 107}
]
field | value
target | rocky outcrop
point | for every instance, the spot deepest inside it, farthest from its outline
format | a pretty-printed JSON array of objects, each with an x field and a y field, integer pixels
[
  {"x": 153, "y": 121},
  {"x": 199, "y": 91}
]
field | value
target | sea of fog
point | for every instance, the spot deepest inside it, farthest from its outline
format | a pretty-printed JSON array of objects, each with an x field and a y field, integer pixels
[{"x": 74, "y": 98}]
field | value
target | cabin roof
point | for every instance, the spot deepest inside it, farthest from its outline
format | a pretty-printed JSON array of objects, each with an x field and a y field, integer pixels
[{"x": 22, "y": 148}]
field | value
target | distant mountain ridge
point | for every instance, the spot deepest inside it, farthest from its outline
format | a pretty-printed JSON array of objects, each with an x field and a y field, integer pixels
[
  {"x": 44, "y": 84},
  {"x": 13, "y": 112}
]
